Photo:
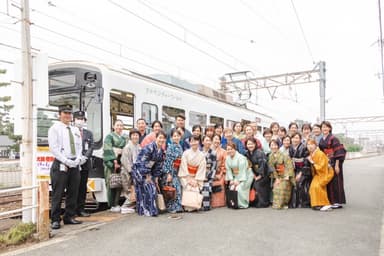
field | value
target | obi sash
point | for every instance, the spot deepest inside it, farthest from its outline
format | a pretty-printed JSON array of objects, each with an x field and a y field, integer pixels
[
  {"x": 328, "y": 152},
  {"x": 299, "y": 164},
  {"x": 235, "y": 171},
  {"x": 176, "y": 163},
  {"x": 192, "y": 170},
  {"x": 280, "y": 168}
]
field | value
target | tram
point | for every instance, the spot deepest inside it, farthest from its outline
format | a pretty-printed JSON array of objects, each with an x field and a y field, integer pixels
[{"x": 107, "y": 93}]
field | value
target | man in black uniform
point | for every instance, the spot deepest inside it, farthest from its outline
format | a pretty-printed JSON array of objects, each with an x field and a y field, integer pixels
[
  {"x": 65, "y": 145},
  {"x": 87, "y": 143}
]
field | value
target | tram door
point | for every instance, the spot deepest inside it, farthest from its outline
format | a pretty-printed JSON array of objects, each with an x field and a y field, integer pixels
[{"x": 122, "y": 107}]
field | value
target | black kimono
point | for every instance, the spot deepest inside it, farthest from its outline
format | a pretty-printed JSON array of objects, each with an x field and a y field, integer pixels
[
  {"x": 332, "y": 147},
  {"x": 259, "y": 163},
  {"x": 300, "y": 193}
]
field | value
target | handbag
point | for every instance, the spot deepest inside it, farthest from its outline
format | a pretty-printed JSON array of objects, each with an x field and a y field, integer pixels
[
  {"x": 115, "y": 181},
  {"x": 169, "y": 192},
  {"x": 160, "y": 202},
  {"x": 192, "y": 198},
  {"x": 217, "y": 188},
  {"x": 231, "y": 198}
]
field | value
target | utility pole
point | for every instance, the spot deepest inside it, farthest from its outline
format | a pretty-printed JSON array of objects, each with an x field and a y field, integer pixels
[
  {"x": 322, "y": 90},
  {"x": 27, "y": 113}
]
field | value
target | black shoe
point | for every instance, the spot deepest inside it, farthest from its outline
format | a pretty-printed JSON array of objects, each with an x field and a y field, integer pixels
[
  {"x": 316, "y": 208},
  {"x": 83, "y": 214},
  {"x": 55, "y": 225},
  {"x": 71, "y": 221}
]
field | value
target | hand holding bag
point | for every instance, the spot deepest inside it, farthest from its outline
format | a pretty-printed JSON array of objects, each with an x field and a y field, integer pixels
[
  {"x": 160, "y": 200},
  {"x": 115, "y": 180}
]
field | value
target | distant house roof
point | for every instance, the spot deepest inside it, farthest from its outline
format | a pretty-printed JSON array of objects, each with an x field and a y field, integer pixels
[{"x": 5, "y": 141}]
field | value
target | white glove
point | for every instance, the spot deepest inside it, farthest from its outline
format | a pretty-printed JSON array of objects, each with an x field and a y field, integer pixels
[
  {"x": 77, "y": 161},
  {"x": 71, "y": 163},
  {"x": 83, "y": 159}
]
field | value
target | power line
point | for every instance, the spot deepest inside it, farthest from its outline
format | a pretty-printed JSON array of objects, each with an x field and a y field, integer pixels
[
  {"x": 302, "y": 32},
  {"x": 173, "y": 35},
  {"x": 192, "y": 33},
  {"x": 120, "y": 44},
  {"x": 381, "y": 46}
]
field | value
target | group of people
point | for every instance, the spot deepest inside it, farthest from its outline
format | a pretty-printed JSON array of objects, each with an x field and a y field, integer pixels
[
  {"x": 207, "y": 168},
  {"x": 236, "y": 167}
]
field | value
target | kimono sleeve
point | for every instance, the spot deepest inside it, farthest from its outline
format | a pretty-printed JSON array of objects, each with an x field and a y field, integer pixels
[
  {"x": 211, "y": 174},
  {"x": 108, "y": 154},
  {"x": 339, "y": 151},
  {"x": 228, "y": 174},
  {"x": 142, "y": 161},
  {"x": 243, "y": 169}
]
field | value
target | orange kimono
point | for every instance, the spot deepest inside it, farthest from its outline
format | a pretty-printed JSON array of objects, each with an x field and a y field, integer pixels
[
  {"x": 322, "y": 174},
  {"x": 218, "y": 197}
]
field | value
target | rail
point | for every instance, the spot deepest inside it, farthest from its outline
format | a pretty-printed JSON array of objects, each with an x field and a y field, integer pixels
[{"x": 11, "y": 190}]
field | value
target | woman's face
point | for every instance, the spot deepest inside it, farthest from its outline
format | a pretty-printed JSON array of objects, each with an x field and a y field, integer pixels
[
  {"x": 118, "y": 127},
  {"x": 209, "y": 133},
  {"x": 306, "y": 132},
  {"x": 316, "y": 131},
  {"x": 275, "y": 129},
  {"x": 156, "y": 127},
  {"x": 231, "y": 151},
  {"x": 286, "y": 142},
  {"x": 249, "y": 132},
  {"x": 238, "y": 128},
  {"x": 219, "y": 131},
  {"x": 311, "y": 147},
  {"x": 216, "y": 141},
  {"x": 268, "y": 137},
  {"x": 250, "y": 145},
  {"x": 293, "y": 129},
  {"x": 160, "y": 140},
  {"x": 207, "y": 142},
  {"x": 296, "y": 140},
  {"x": 281, "y": 133},
  {"x": 196, "y": 132},
  {"x": 176, "y": 137},
  {"x": 194, "y": 144},
  {"x": 325, "y": 129},
  {"x": 135, "y": 138},
  {"x": 274, "y": 147}
]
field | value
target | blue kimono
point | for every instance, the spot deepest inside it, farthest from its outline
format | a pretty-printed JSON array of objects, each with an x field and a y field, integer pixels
[
  {"x": 174, "y": 151},
  {"x": 144, "y": 171}
]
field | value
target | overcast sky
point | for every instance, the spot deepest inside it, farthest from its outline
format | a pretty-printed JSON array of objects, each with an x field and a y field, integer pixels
[{"x": 202, "y": 40}]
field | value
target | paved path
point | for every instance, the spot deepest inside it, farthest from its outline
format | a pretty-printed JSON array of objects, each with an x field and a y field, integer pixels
[{"x": 353, "y": 230}]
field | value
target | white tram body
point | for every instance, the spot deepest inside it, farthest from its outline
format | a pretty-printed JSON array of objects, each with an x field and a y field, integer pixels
[{"x": 107, "y": 94}]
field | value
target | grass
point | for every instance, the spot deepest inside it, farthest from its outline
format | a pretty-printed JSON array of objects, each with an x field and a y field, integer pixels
[{"x": 17, "y": 234}]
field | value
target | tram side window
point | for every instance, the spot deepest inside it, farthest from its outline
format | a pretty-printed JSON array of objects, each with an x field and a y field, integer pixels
[
  {"x": 169, "y": 116},
  {"x": 230, "y": 123},
  {"x": 149, "y": 112},
  {"x": 197, "y": 118},
  {"x": 122, "y": 108},
  {"x": 216, "y": 120}
]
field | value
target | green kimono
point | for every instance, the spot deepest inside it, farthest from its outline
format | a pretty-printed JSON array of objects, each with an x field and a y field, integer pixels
[
  {"x": 282, "y": 191},
  {"x": 112, "y": 143},
  {"x": 237, "y": 170}
]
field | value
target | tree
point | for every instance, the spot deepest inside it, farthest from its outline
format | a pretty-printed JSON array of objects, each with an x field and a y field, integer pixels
[{"x": 6, "y": 126}]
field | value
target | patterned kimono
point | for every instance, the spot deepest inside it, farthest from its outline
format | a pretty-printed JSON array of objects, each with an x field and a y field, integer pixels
[
  {"x": 171, "y": 166},
  {"x": 332, "y": 147},
  {"x": 218, "y": 195},
  {"x": 322, "y": 175},
  {"x": 113, "y": 146},
  {"x": 282, "y": 167},
  {"x": 193, "y": 166},
  {"x": 237, "y": 170},
  {"x": 211, "y": 165},
  {"x": 129, "y": 156},
  {"x": 146, "y": 168},
  {"x": 259, "y": 165},
  {"x": 300, "y": 193}
]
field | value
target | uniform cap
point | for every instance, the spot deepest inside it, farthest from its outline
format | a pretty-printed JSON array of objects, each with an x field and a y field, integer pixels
[
  {"x": 65, "y": 108},
  {"x": 79, "y": 114}
]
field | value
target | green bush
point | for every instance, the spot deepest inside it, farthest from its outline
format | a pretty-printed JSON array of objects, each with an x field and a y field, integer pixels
[
  {"x": 354, "y": 148},
  {"x": 18, "y": 234}
]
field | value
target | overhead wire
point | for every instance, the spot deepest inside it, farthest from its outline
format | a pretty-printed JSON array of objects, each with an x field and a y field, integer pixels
[
  {"x": 381, "y": 46},
  {"x": 173, "y": 35},
  {"x": 193, "y": 33},
  {"x": 302, "y": 32}
]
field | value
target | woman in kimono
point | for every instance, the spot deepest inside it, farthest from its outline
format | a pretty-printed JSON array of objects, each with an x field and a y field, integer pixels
[
  {"x": 218, "y": 185},
  {"x": 335, "y": 152},
  {"x": 219, "y": 130},
  {"x": 192, "y": 169},
  {"x": 156, "y": 127},
  {"x": 286, "y": 145},
  {"x": 129, "y": 156},
  {"x": 170, "y": 171},
  {"x": 283, "y": 175},
  {"x": 211, "y": 165},
  {"x": 262, "y": 181},
  {"x": 306, "y": 130},
  {"x": 113, "y": 146},
  {"x": 238, "y": 132},
  {"x": 238, "y": 174},
  {"x": 322, "y": 174},
  {"x": 299, "y": 153},
  {"x": 145, "y": 172}
]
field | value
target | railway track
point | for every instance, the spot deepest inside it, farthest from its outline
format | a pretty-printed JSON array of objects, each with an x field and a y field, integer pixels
[{"x": 8, "y": 202}]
